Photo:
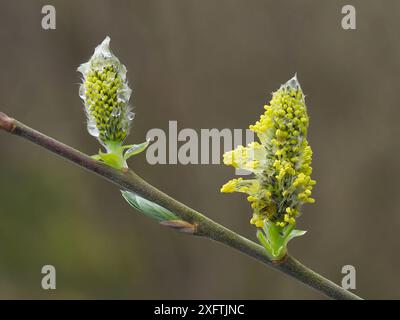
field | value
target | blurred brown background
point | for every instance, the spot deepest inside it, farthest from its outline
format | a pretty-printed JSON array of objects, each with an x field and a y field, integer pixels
[{"x": 206, "y": 64}]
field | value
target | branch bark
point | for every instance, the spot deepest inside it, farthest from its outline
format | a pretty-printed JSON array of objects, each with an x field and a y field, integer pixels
[{"x": 202, "y": 226}]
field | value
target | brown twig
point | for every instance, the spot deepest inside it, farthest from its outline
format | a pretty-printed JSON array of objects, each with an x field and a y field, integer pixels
[{"x": 192, "y": 222}]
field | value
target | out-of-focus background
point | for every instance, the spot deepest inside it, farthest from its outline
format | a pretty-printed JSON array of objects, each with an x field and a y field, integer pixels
[{"x": 206, "y": 64}]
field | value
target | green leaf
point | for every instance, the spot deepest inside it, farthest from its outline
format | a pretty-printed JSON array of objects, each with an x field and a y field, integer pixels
[
  {"x": 275, "y": 239},
  {"x": 149, "y": 208},
  {"x": 272, "y": 231},
  {"x": 294, "y": 234},
  {"x": 96, "y": 157},
  {"x": 111, "y": 159},
  {"x": 263, "y": 240},
  {"x": 135, "y": 149}
]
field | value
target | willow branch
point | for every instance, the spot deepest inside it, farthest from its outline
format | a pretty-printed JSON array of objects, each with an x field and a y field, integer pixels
[{"x": 192, "y": 222}]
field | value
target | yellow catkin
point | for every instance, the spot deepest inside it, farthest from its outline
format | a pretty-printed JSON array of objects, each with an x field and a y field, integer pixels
[{"x": 281, "y": 162}]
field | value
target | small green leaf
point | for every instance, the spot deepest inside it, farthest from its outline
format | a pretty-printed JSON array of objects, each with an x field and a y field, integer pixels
[
  {"x": 110, "y": 159},
  {"x": 150, "y": 209},
  {"x": 96, "y": 157},
  {"x": 275, "y": 239},
  {"x": 294, "y": 234},
  {"x": 263, "y": 240},
  {"x": 135, "y": 149}
]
